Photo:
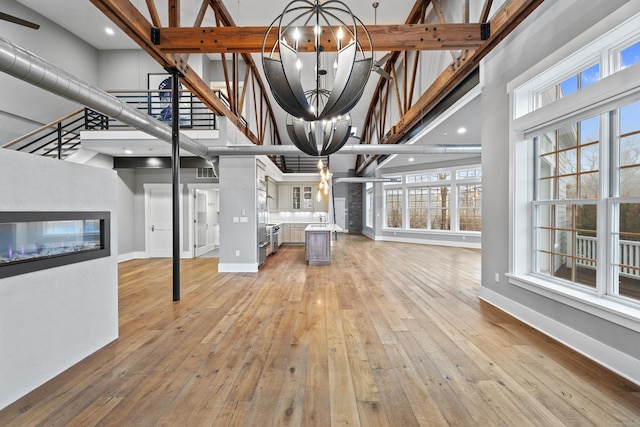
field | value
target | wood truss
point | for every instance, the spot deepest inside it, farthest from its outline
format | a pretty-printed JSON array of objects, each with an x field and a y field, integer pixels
[
  {"x": 398, "y": 94},
  {"x": 260, "y": 129},
  {"x": 396, "y": 105}
]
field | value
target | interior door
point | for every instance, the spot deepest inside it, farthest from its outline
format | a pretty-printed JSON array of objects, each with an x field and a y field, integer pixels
[
  {"x": 201, "y": 224},
  {"x": 340, "y": 210},
  {"x": 160, "y": 229}
]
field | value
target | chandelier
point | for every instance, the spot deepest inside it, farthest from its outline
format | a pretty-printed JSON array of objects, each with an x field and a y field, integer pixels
[{"x": 316, "y": 67}]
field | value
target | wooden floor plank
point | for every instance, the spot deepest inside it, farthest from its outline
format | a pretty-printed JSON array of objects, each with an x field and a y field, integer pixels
[{"x": 388, "y": 334}]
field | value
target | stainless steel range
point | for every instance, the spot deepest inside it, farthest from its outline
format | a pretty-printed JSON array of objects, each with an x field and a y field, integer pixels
[{"x": 273, "y": 234}]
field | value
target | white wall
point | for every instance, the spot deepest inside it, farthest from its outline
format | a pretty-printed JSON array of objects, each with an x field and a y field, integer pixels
[
  {"x": 24, "y": 107},
  {"x": 552, "y": 25},
  {"x": 52, "y": 319}
]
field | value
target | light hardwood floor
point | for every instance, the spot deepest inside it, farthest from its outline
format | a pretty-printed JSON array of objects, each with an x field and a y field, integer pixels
[{"x": 389, "y": 334}]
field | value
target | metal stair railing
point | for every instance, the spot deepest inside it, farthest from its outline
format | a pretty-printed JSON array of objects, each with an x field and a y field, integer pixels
[{"x": 60, "y": 138}]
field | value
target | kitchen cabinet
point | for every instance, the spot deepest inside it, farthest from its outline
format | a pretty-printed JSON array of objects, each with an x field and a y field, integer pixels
[
  {"x": 284, "y": 197},
  {"x": 302, "y": 197},
  {"x": 285, "y": 233},
  {"x": 272, "y": 194},
  {"x": 297, "y": 232}
]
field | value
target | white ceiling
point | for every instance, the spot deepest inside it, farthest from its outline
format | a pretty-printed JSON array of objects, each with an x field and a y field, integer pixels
[{"x": 84, "y": 20}]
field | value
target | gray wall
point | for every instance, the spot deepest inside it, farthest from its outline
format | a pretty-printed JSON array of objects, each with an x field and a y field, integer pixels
[
  {"x": 131, "y": 201},
  {"x": 53, "y": 318},
  {"x": 238, "y": 196},
  {"x": 24, "y": 107},
  {"x": 552, "y": 25}
]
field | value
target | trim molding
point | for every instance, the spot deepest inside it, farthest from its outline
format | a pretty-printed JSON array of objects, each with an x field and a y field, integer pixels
[
  {"x": 237, "y": 268},
  {"x": 461, "y": 244},
  {"x": 609, "y": 357}
]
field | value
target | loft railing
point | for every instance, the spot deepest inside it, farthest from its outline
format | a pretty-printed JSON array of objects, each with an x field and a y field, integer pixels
[{"x": 61, "y": 137}]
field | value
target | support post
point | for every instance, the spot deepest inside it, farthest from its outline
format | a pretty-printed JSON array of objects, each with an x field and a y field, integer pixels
[{"x": 175, "y": 176}]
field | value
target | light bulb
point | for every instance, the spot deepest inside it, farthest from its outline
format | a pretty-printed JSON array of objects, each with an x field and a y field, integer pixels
[
  {"x": 320, "y": 165},
  {"x": 319, "y": 196}
]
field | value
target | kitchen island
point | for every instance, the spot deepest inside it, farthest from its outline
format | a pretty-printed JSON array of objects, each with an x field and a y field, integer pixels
[{"x": 318, "y": 243}]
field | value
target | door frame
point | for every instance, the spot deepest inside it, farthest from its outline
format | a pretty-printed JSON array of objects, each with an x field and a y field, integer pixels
[
  {"x": 191, "y": 214},
  {"x": 147, "y": 217},
  {"x": 344, "y": 201}
]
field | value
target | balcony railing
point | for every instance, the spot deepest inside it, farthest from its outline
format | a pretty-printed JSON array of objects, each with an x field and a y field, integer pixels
[{"x": 628, "y": 260}]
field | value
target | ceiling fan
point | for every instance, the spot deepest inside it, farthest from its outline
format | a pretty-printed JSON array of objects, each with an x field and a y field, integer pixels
[
  {"x": 379, "y": 64},
  {"x": 18, "y": 21}
]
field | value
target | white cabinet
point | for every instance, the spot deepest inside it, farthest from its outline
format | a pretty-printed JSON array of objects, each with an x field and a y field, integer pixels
[
  {"x": 297, "y": 232},
  {"x": 302, "y": 197},
  {"x": 272, "y": 195},
  {"x": 284, "y": 197},
  {"x": 285, "y": 233}
]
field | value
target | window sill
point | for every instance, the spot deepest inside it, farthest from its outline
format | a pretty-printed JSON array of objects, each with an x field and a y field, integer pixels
[{"x": 612, "y": 309}]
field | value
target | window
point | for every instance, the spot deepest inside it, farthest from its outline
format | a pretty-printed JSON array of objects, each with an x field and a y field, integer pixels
[
  {"x": 630, "y": 56},
  {"x": 430, "y": 202},
  {"x": 369, "y": 204},
  {"x": 569, "y": 202},
  {"x": 393, "y": 203},
  {"x": 470, "y": 207},
  {"x": 567, "y": 86}
]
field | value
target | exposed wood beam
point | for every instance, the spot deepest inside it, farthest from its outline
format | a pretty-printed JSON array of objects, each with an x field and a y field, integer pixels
[
  {"x": 486, "y": 9},
  {"x": 383, "y": 38},
  {"x": 512, "y": 13},
  {"x": 124, "y": 14},
  {"x": 174, "y": 13},
  {"x": 153, "y": 11}
]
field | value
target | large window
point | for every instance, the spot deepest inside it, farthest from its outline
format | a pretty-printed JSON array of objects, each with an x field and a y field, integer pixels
[
  {"x": 576, "y": 184},
  {"x": 442, "y": 200},
  {"x": 569, "y": 202},
  {"x": 369, "y": 205},
  {"x": 393, "y": 211}
]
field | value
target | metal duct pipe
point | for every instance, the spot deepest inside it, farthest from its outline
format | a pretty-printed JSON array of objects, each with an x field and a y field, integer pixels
[
  {"x": 26, "y": 66},
  {"x": 383, "y": 149}
]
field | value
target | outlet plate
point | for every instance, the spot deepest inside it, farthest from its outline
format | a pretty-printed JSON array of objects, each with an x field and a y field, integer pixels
[
  {"x": 497, "y": 277},
  {"x": 237, "y": 253}
]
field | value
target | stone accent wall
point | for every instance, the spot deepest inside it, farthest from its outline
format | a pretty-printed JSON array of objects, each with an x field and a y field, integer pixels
[{"x": 355, "y": 208}]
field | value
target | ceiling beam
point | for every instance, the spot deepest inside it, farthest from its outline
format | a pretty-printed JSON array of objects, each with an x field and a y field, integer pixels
[
  {"x": 512, "y": 13},
  {"x": 383, "y": 38},
  {"x": 128, "y": 18}
]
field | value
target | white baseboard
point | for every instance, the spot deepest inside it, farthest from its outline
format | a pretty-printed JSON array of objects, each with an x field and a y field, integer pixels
[
  {"x": 611, "y": 358},
  {"x": 237, "y": 268},
  {"x": 458, "y": 244},
  {"x": 131, "y": 255}
]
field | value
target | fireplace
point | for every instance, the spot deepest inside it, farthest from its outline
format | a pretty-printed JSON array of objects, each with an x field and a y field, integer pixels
[{"x": 31, "y": 241}]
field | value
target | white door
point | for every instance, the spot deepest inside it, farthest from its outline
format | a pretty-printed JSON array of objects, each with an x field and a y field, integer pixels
[
  {"x": 201, "y": 223},
  {"x": 340, "y": 210},
  {"x": 160, "y": 223}
]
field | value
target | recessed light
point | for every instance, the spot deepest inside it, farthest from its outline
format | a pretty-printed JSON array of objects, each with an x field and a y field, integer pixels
[
  {"x": 127, "y": 151},
  {"x": 109, "y": 31},
  {"x": 411, "y": 159},
  {"x": 462, "y": 130}
]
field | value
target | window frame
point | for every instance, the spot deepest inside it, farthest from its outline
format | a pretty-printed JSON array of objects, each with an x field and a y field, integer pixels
[
  {"x": 615, "y": 89},
  {"x": 452, "y": 182}
]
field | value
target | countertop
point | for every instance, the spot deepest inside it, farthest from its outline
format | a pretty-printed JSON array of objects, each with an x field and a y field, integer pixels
[{"x": 323, "y": 227}]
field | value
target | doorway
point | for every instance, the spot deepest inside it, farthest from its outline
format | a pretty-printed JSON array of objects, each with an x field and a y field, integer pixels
[
  {"x": 206, "y": 223},
  {"x": 159, "y": 220}
]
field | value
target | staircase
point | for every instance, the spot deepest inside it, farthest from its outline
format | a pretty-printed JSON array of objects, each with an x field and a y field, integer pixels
[{"x": 61, "y": 138}]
